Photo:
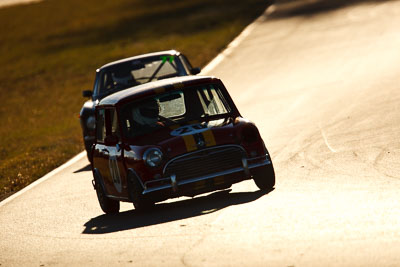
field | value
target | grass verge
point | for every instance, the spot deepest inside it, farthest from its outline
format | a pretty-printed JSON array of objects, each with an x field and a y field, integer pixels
[{"x": 50, "y": 50}]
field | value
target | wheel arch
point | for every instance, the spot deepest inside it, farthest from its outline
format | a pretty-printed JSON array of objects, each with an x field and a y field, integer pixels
[
  {"x": 99, "y": 179},
  {"x": 133, "y": 173}
]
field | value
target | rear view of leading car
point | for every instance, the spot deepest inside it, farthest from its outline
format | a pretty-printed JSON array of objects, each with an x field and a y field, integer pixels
[{"x": 176, "y": 137}]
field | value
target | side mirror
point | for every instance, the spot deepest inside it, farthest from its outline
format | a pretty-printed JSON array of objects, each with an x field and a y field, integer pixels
[
  {"x": 111, "y": 140},
  {"x": 195, "y": 71},
  {"x": 87, "y": 93}
]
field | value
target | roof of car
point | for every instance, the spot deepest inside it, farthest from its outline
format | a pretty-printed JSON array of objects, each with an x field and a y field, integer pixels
[
  {"x": 153, "y": 88},
  {"x": 160, "y": 53}
]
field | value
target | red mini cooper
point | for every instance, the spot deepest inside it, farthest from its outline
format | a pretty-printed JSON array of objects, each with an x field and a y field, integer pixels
[{"x": 175, "y": 137}]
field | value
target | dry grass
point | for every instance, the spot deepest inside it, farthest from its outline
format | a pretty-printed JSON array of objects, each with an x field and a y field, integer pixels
[{"x": 50, "y": 50}]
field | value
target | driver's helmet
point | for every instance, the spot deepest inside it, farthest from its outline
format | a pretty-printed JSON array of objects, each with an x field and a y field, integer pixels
[
  {"x": 146, "y": 113},
  {"x": 122, "y": 77}
]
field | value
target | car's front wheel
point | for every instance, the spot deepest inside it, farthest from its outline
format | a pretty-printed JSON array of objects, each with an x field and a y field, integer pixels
[
  {"x": 140, "y": 202},
  {"x": 264, "y": 177},
  {"x": 109, "y": 206}
]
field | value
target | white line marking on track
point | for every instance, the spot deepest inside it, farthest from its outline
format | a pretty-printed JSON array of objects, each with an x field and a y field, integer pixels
[
  {"x": 44, "y": 178},
  {"x": 218, "y": 59},
  {"x": 235, "y": 43},
  {"x": 7, "y": 3}
]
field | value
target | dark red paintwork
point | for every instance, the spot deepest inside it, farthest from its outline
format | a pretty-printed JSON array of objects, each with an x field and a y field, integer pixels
[{"x": 227, "y": 130}]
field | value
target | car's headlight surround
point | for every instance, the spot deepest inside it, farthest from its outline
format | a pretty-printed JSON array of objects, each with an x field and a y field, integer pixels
[
  {"x": 91, "y": 123},
  {"x": 153, "y": 157}
]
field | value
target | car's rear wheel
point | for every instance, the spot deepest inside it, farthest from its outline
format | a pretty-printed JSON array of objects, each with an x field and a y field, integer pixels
[
  {"x": 109, "y": 206},
  {"x": 140, "y": 202},
  {"x": 264, "y": 177}
]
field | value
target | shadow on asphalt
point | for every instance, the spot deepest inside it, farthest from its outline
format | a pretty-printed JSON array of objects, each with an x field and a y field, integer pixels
[
  {"x": 84, "y": 169},
  {"x": 168, "y": 212},
  {"x": 293, "y": 8}
]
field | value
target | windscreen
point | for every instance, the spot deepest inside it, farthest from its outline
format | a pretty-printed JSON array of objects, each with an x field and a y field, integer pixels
[
  {"x": 173, "y": 108},
  {"x": 128, "y": 74}
]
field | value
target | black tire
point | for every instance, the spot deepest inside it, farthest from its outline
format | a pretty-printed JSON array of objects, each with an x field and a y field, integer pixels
[
  {"x": 264, "y": 177},
  {"x": 109, "y": 206},
  {"x": 140, "y": 202}
]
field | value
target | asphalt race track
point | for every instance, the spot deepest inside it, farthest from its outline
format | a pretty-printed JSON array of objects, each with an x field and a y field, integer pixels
[{"x": 322, "y": 83}]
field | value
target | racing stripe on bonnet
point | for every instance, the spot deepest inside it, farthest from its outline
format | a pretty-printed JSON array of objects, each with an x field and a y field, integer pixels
[
  {"x": 190, "y": 143},
  {"x": 209, "y": 138}
]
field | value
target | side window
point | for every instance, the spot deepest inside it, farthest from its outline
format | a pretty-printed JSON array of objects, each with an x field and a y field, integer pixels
[
  {"x": 100, "y": 125},
  {"x": 106, "y": 83},
  {"x": 114, "y": 123},
  {"x": 111, "y": 122}
]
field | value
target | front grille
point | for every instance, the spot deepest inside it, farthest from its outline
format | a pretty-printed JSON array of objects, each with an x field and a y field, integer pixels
[{"x": 205, "y": 162}]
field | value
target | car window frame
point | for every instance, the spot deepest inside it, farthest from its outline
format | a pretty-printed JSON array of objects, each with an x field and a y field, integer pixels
[
  {"x": 186, "y": 63},
  {"x": 110, "y": 113},
  {"x": 218, "y": 87},
  {"x": 100, "y": 119}
]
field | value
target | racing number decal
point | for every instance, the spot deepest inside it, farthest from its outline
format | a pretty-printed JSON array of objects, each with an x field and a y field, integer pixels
[{"x": 114, "y": 171}]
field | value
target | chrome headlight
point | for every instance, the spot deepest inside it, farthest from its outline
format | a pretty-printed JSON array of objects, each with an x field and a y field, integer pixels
[
  {"x": 91, "y": 123},
  {"x": 153, "y": 157}
]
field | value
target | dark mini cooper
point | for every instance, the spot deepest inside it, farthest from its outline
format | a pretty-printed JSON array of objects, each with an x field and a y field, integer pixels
[
  {"x": 176, "y": 137},
  {"x": 125, "y": 73}
]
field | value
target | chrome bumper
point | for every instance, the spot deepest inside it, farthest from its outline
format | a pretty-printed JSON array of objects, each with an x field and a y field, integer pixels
[{"x": 174, "y": 184}]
